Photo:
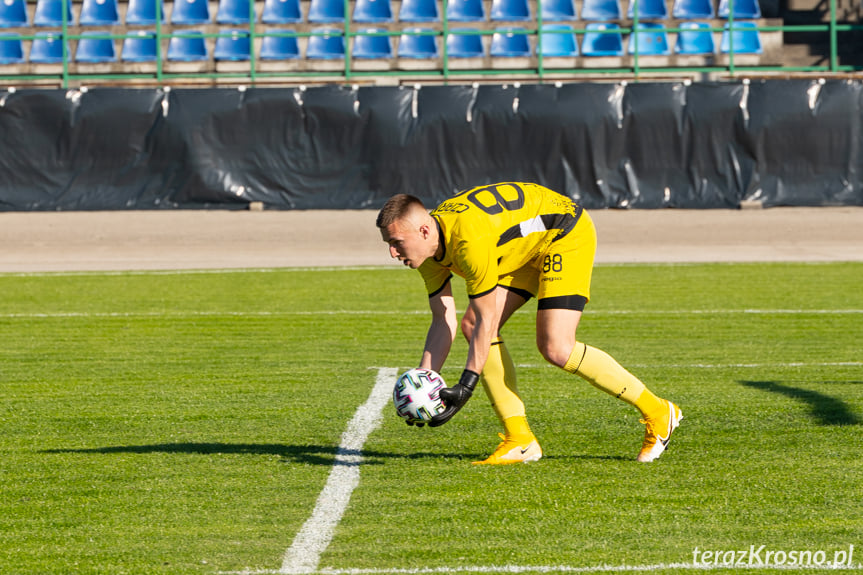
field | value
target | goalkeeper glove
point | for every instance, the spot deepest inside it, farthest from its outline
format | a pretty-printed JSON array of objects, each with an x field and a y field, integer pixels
[{"x": 455, "y": 397}]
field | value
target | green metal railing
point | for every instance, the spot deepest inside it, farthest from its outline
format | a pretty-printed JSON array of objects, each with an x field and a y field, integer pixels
[{"x": 70, "y": 73}]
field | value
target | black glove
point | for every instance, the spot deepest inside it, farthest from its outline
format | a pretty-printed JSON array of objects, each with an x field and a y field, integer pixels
[{"x": 455, "y": 397}]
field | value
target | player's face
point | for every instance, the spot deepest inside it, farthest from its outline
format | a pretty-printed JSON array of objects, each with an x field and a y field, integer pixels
[{"x": 407, "y": 241}]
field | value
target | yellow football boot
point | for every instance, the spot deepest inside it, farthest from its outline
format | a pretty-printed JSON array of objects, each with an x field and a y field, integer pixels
[
  {"x": 658, "y": 432},
  {"x": 514, "y": 451}
]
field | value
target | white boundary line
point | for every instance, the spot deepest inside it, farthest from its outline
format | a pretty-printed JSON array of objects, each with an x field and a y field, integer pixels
[
  {"x": 336, "y": 312},
  {"x": 305, "y": 552}
]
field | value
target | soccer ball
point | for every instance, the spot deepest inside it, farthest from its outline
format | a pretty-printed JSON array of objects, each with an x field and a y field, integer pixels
[{"x": 417, "y": 394}]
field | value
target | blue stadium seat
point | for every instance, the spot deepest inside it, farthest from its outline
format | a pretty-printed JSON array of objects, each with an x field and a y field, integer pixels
[
  {"x": 329, "y": 44},
  {"x": 189, "y": 47},
  {"x": 140, "y": 46},
  {"x": 745, "y": 39},
  {"x": 601, "y": 10},
  {"x": 190, "y": 12},
  {"x": 99, "y": 13},
  {"x": 652, "y": 40},
  {"x": 233, "y": 12},
  {"x": 143, "y": 12},
  {"x": 11, "y": 49},
  {"x": 599, "y": 43},
  {"x": 48, "y": 49},
  {"x": 557, "y": 41},
  {"x": 695, "y": 38},
  {"x": 373, "y": 11},
  {"x": 647, "y": 9},
  {"x": 280, "y": 47},
  {"x": 12, "y": 13},
  {"x": 418, "y": 45},
  {"x": 419, "y": 11},
  {"x": 232, "y": 46},
  {"x": 93, "y": 49},
  {"x": 327, "y": 11},
  {"x": 502, "y": 10},
  {"x": 742, "y": 9},
  {"x": 465, "y": 11},
  {"x": 467, "y": 45},
  {"x": 510, "y": 43},
  {"x": 50, "y": 13},
  {"x": 282, "y": 12},
  {"x": 558, "y": 10},
  {"x": 369, "y": 47},
  {"x": 692, "y": 9}
]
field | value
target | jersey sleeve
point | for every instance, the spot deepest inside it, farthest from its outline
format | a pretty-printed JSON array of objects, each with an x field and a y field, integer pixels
[
  {"x": 477, "y": 259},
  {"x": 435, "y": 276}
]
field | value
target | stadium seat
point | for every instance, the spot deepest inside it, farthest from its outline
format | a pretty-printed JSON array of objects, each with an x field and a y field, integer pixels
[
  {"x": 502, "y": 10},
  {"x": 369, "y": 47},
  {"x": 742, "y": 9},
  {"x": 692, "y": 9},
  {"x": 647, "y": 9},
  {"x": 233, "y": 12},
  {"x": 282, "y": 12},
  {"x": 11, "y": 49},
  {"x": 599, "y": 43},
  {"x": 652, "y": 40},
  {"x": 557, "y": 41},
  {"x": 323, "y": 11},
  {"x": 99, "y": 13},
  {"x": 601, "y": 10},
  {"x": 143, "y": 12},
  {"x": 373, "y": 11},
  {"x": 465, "y": 45},
  {"x": 139, "y": 47},
  {"x": 232, "y": 45},
  {"x": 280, "y": 48},
  {"x": 558, "y": 10},
  {"x": 465, "y": 11},
  {"x": 745, "y": 39},
  {"x": 12, "y": 13},
  {"x": 50, "y": 13},
  {"x": 190, "y": 12},
  {"x": 94, "y": 48},
  {"x": 510, "y": 43},
  {"x": 48, "y": 49},
  {"x": 328, "y": 45},
  {"x": 419, "y": 11},
  {"x": 190, "y": 47},
  {"x": 417, "y": 45},
  {"x": 695, "y": 38}
]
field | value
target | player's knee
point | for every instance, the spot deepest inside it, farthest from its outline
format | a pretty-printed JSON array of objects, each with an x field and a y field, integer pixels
[{"x": 555, "y": 352}]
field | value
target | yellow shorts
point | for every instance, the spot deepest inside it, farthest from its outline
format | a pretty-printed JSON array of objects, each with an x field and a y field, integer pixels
[{"x": 560, "y": 277}]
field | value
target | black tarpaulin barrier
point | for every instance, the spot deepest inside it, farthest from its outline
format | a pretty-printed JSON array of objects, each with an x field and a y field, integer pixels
[{"x": 607, "y": 145}]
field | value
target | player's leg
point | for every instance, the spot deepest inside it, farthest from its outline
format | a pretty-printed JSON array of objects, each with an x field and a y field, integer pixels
[
  {"x": 500, "y": 384},
  {"x": 562, "y": 298}
]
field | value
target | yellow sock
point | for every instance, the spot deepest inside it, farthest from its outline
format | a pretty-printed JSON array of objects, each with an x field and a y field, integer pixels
[
  {"x": 603, "y": 372},
  {"x": 517, "y": 428},
  {"x": 499, "y": 381}
]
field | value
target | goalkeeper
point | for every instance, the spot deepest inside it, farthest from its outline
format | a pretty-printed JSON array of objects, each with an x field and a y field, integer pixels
[{"x": 511, "y": 242}]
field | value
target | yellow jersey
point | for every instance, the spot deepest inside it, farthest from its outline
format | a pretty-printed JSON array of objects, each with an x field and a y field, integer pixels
[{"x": 491, "y": 231}]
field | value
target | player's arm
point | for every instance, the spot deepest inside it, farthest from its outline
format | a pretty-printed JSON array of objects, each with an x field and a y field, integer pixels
[{"x": 442, "y": 331}]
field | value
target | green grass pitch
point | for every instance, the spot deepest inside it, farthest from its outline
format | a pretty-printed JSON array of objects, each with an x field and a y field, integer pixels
[{"x": 167, "y": 423}]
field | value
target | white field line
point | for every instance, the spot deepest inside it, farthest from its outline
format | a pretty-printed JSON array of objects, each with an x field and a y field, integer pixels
[
  {"x": 337, "y": 312},
  {"x": 305, "y": 552},
  {"x": 718, "y": 365}
]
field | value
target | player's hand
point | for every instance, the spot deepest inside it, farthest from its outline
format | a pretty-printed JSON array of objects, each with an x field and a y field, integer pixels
[{"x": 455, "y": 397}]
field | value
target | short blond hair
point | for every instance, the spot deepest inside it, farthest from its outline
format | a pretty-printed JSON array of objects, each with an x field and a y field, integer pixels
[{"x": 398, "y": 207}]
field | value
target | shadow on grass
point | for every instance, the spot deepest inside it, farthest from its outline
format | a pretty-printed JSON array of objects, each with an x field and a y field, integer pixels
[
  {"x": 303, "y": 454},
  {"x": 826, "y": 410}
]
